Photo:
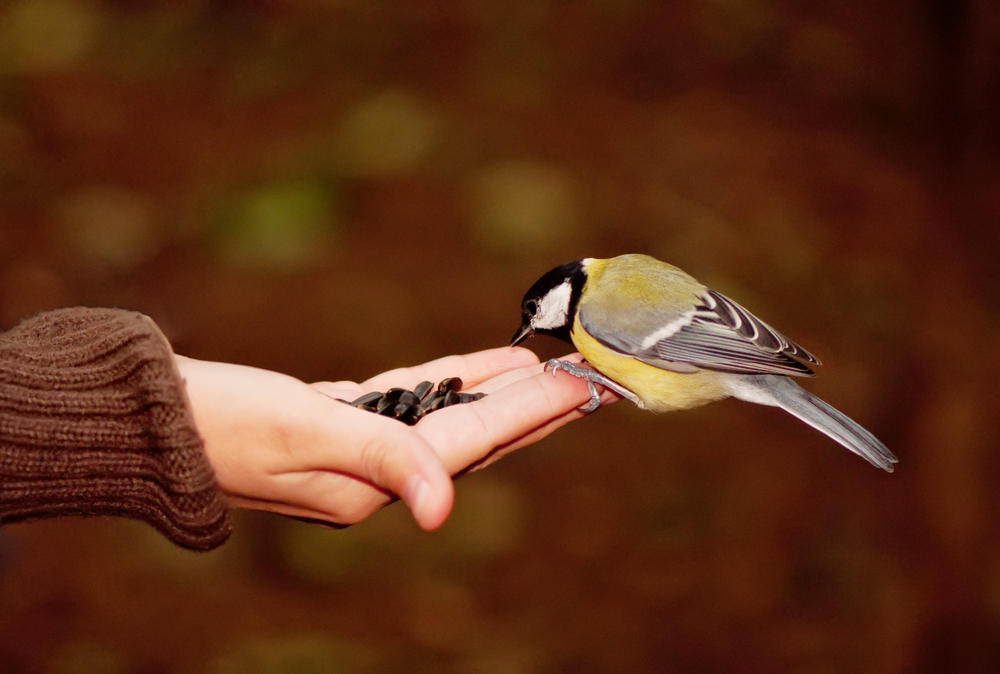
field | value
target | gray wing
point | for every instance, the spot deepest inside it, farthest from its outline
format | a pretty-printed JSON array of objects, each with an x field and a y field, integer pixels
[{"x": 717, "y": 334}]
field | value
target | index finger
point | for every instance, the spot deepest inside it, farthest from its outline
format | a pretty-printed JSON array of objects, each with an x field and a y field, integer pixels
[
  {"x": 473, "y": 368},
  {"x": 515, "y": 415}
]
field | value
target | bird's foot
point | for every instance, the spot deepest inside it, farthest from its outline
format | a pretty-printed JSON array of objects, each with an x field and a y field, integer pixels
[{"x": 592, "y": 377}]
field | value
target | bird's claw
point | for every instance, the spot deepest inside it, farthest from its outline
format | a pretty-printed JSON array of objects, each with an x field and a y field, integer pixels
[{"x": 592, "y": 377}]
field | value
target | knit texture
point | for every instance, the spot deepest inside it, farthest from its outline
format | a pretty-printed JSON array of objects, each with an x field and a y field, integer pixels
[{"x": 94, "y": 421}]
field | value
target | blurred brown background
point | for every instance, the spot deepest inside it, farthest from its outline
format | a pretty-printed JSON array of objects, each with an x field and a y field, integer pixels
[{"x": 331, "y": 189}]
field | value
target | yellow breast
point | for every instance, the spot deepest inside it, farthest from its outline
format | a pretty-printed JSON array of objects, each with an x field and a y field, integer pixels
[{"x": 659, "y": 390}]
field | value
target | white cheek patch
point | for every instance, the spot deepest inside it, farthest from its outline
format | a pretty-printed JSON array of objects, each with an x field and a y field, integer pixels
[{"x": 553, "y": 309}]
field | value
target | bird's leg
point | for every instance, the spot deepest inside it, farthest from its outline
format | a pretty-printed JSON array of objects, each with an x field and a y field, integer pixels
[{"x": 592, "y": 377}]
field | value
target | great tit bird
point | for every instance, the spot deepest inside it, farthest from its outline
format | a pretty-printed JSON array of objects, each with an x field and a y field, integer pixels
[{"x": 655, "y": 335}]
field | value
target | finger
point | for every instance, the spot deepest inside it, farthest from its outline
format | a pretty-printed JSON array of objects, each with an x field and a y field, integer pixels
[
  {"x": 511, "y": 376},
  {"x": 343, "y": 390},
  {"x": 381, "y": 451},
  {"x": 607, "y": 398},
  {"x": 466, "y": 434},
  {"x": 473, "y": 368}
]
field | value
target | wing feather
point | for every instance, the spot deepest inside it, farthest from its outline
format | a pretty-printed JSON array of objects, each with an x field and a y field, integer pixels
[{"x": 717, "y": 334}]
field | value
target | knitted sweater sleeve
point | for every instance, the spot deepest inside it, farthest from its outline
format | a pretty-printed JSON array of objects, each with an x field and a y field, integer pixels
[{"x": 94, "y": 420}]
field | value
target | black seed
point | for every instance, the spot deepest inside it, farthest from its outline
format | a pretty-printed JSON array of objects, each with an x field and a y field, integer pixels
[
  {"x": 394, "y": 393},
  {"x": 450, "y": 384},
  {"x": 435, "y": 402},
  {"x": 408, "y": 414},
  {"x": 423, "y": 389},
  {"x": 411, "y": 406},
  {"x": 341, "y": 400},
  {"x": 368, "y": 400}
]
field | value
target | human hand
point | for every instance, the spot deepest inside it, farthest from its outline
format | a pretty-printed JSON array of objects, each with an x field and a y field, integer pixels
[{"x": 279, "y": 444}]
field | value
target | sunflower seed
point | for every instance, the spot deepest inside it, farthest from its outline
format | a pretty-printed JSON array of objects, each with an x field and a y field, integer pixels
[
  {"x": 412, "y": 406},
  {"x": 423, "y": 389},
  {"x": 394, "y": 393},
  {"x": 450, "y": 384},
  {"x": 368, "y": 400},
  {"x": 385, "y": 406},
  {"x": 434, "y": 402}
]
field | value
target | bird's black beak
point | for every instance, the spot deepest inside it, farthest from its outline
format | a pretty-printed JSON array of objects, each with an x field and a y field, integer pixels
[{"x": 522, "y": 334}]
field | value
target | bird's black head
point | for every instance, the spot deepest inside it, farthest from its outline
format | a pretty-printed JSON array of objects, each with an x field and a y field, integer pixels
[{"x": 549, "y": 306}]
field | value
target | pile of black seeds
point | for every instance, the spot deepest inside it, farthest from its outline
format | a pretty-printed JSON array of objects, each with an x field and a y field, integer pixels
[{"x": 412, "y": 406}]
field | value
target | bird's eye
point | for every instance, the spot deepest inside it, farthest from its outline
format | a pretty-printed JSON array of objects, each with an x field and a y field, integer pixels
[{"x": 531, "y": 306}]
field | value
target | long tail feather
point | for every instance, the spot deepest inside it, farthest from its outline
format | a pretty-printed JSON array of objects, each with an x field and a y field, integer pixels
[{"x": 782, "y": 392}]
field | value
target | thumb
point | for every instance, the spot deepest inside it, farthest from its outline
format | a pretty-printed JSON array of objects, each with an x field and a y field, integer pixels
[{"x": 391, "y": 456}]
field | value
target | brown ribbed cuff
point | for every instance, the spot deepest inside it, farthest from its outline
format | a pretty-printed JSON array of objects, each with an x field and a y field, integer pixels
[{"x": 94, "y": 421}]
